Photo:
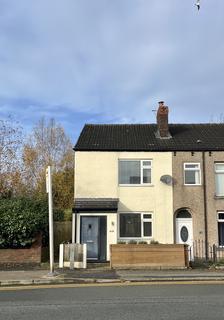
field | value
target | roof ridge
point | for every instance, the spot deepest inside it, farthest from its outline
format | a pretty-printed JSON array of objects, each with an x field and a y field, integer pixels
[{"x": 147, "y": 124}]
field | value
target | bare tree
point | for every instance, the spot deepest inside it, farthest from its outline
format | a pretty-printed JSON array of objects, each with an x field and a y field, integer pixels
[
  {"x": 48, "y": 144},
  {"x": 10, "y": 155}
]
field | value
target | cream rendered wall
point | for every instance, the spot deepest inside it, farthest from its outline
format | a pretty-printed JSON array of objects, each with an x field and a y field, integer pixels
[{"x": 96, "y": 176}]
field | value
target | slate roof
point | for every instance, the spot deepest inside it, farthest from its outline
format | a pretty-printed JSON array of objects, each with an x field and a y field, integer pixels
[
  {"x": 141, "y": 137},
  {"x": 95, "y": 204}
]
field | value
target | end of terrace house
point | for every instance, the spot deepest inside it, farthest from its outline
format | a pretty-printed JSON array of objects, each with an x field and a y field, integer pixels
[{"x": 148, "y": 182}]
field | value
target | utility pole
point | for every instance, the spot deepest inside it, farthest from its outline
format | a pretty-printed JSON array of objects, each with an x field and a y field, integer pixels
[{"x": 51, "y": 220}]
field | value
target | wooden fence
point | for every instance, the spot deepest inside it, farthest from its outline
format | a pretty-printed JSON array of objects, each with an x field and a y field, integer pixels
[{"x": 62, "y": 234}]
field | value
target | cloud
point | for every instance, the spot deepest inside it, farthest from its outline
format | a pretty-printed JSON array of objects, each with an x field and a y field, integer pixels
[{"x": 111, "y": 60}]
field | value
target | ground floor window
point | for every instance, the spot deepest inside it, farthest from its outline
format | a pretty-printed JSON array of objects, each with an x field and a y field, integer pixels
[
  {"x": 135, "y": 225},
  {"x": 221, "y": 228}
]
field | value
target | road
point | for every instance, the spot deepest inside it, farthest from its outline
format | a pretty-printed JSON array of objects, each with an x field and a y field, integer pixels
[{"x": 115, "y": 302}]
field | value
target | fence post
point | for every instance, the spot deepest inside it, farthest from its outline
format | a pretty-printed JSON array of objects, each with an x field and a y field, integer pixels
[
  {"x": 84, "y": 255},
  {"x": 195, "y": 249},
  {"x": 61, "y": 255},
  {"x": 214, "y": 253},
  {"x": 72, "y": 255},
  {"x": 203, "y": 247}
]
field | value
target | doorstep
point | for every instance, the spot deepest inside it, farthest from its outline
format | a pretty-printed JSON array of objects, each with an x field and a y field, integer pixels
[{"x": 98, "y": 265}]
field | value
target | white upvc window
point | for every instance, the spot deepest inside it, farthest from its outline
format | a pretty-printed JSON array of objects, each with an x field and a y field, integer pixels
[
  {"x": 146, "y": 225},
  {"x": 192, "y": 174},
  {"x": 135, "y": 225},
  {"x": 219, "y": 179},
  {"x": 221, "y": 228},
  {"x": 135, "y": 172}
]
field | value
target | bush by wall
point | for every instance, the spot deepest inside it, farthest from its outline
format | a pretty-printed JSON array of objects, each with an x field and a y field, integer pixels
[{"x": 21, "y": 219}]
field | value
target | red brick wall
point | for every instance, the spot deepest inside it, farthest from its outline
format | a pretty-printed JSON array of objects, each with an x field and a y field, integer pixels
[{"x": 22, "y": 256}]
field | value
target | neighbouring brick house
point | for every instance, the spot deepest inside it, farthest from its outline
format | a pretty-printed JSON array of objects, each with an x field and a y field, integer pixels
[
  {"x": 198, "y": 189},
  {"x": 145, "y": 182}
]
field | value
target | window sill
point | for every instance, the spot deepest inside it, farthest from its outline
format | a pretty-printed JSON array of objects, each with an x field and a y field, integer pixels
[
  {"x": 218, "y": 197},
  {"x": 192, "y": 185},
  {"x": 135, "y": 238},
  {"x": 136, "y": 185}
]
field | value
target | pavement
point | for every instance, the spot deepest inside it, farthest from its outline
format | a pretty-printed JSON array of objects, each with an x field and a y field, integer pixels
[{"x": 105, "y": 275}]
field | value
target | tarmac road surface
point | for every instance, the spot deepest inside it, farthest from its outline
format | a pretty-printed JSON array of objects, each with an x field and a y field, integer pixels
[{"x": 163, "y": 301}]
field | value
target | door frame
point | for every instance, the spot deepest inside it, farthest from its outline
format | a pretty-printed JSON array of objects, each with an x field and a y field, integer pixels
[
  {"x": 97, "y": 237},
  {"x": 189, "y": 224},
  {"x": 112, "y": 218},
  {"x": 79, "y": 225}
]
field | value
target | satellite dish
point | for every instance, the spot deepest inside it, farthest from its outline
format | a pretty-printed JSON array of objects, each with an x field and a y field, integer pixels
[{"x": 167, "y": 179}]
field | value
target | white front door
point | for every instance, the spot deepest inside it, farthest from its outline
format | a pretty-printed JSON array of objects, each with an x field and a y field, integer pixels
[{"x": 184, "y": 233}]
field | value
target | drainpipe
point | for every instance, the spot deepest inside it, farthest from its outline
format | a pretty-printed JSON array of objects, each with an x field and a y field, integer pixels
[
  {"x": 74, "y": 224},
  {"x": 205, "y": 206}
]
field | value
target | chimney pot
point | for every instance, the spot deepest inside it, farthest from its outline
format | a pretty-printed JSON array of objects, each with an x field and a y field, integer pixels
[{"x": 161, "y": 103}]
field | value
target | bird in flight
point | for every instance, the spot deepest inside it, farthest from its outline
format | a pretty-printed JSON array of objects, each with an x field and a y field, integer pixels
[{"x": 198, "y": 4}]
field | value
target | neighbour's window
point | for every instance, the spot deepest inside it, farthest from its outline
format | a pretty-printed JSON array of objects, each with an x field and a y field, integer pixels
[
  {"x": 135, "y": 225},
  {"x": 221, "y": 228},
  {"x": 135, "y": 172},
  {"x": 219, "y": 179},
  {"x": 192, "y": 174}
]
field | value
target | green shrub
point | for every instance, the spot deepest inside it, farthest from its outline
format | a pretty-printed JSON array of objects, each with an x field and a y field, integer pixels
[
  {"x": 142, "y": 242},
  {"x": 200, "y": 263},
  {"x": 21, "y": 219},
  {"x": 59, "y": 215},
  {"x": 132, "y": 242},
  {"x": 68, "y": 214},
  {"x": 220, "y": 262},
  {"x": 154, "y": 242}
]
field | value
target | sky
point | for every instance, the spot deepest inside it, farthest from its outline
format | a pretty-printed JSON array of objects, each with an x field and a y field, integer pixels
[{"x": 111, "y": 61}]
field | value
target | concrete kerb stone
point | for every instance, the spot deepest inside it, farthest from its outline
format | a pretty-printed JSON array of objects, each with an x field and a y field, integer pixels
[
  {"x": 7, "y": 283},
  {"x": 10, "y": 283},
  {"x": 109, "y": 280},
  {"x": 187, "y": 279}
]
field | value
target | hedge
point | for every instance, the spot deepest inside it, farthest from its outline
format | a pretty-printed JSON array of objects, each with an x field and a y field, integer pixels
[{"x": 21, "y": 219}]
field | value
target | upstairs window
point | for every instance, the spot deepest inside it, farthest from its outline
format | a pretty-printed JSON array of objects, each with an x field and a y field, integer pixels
[
  {"x": 219, "y": 179},
  {"x": 192, "y": 174},
  {"x": 135, "y": 172}
]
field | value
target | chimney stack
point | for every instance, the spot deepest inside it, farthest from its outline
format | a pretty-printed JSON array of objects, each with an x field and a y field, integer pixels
[{"x": 162, "y": 122}]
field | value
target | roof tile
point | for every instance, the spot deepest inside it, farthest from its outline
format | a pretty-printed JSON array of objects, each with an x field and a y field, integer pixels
[{"x": 141, "y": 137}]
